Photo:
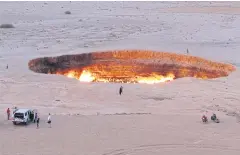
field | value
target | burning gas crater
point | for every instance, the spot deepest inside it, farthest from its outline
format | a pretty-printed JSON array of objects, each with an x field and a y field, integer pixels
[{"x": 130, "y": 66}]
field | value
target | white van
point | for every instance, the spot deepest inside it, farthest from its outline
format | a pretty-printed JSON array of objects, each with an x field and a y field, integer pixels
[{"x": 24, "y": 116}]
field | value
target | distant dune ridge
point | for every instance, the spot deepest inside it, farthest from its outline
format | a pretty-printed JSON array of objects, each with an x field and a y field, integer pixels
[{"x": 6, "y": 26}]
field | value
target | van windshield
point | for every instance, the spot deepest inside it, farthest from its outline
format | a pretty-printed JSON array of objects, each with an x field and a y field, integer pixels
[{"x": 19, "y": 115}]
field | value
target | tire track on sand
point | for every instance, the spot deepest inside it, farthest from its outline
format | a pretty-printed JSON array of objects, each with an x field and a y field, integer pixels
[{"x": 156, "y": 147}]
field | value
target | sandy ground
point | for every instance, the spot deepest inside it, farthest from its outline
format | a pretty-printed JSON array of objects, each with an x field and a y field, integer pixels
[{"x": 90, "y": 118}]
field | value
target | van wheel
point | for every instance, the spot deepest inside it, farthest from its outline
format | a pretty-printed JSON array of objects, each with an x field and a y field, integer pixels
[{"x": 14, "y": 123}]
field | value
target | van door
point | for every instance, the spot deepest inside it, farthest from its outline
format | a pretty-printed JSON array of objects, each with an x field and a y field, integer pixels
[{"x": 26, "y": 115}]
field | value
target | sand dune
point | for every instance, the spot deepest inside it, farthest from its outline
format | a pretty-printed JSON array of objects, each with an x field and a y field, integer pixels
[{"x": 91, "y": 118}]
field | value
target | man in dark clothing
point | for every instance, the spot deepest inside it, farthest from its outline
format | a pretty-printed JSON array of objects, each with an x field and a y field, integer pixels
[
  {"x": 36, "y": 117},
  {"x": 38, "y": 122},
  {"x": 213, "y": 117},
  {"x": 187, "y": 51},
  {"x": 120, "y": 90}
]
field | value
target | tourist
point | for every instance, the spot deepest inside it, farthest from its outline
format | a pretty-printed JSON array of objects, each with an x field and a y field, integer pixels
[
  {"x": 214, "y": 117},
  {"x": 204, "y": 118},
  {"x": 38, "y": 119},
  {"x": 8, "y": 113},
  {"x": 121, "y": 90},
  {"x": 15, "y": 109},
  {"x": 49, "y": 120}
]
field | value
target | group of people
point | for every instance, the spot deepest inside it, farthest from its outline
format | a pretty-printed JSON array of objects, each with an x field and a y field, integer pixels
[
  {"x": 37, "y": 119},
  {"x": 213, "y": 118},
  {"x": 49, "y": 121}
]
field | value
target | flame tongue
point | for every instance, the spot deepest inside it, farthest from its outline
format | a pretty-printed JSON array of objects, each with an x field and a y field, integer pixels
[
  {"x": 70, "y": 74},
  {"x": 154, "y": 78},
  {"x": 86, "y": 76}
]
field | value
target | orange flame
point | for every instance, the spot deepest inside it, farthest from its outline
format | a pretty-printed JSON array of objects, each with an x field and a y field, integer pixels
[
  {"x": 154, "y": 78},
  {"x": 71, "y": 74},
  {"x": 87, "y": 76}
]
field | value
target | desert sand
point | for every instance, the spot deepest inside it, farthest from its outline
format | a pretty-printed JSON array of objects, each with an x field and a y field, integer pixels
[{"x": 91, "y": 118}]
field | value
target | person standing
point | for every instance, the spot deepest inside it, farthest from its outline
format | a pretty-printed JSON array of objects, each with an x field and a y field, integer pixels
[
  {"x": 38, "y": 122},
  {"x": 49, "y": 120},
  {"x": 8, "y": 113},
  {"x": 121, "y": 90},
  {"x": 15, "y": 109},
  {"x": 36, "y": 117}
]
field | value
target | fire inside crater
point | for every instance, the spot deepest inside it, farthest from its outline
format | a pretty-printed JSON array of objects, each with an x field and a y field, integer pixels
[{"x": 130, "y": 66}]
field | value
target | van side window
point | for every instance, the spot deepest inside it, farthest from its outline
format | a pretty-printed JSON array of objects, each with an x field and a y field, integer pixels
[{"x": 25, "y": 114}]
